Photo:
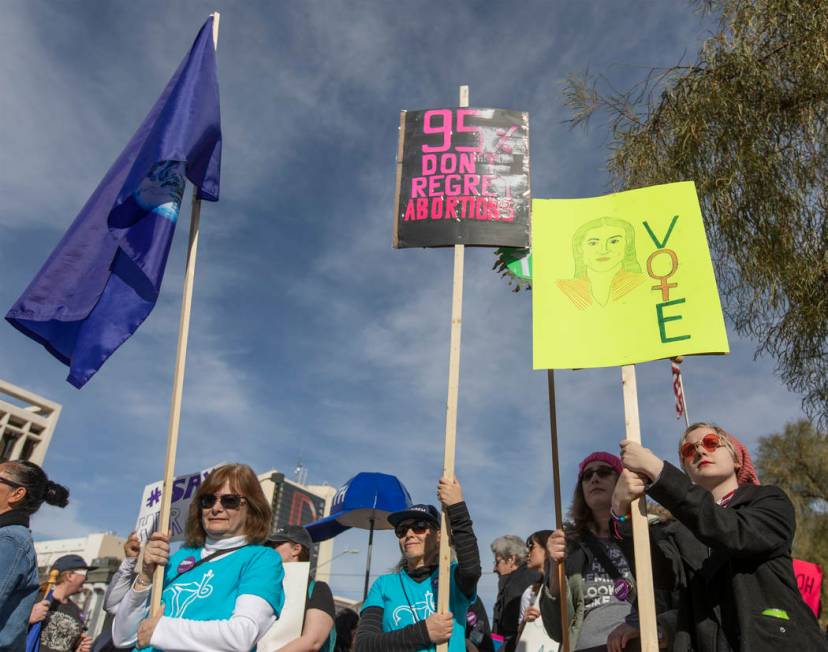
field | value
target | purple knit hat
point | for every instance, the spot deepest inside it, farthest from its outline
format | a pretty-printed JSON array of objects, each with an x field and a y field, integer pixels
[{"x": 601, "y": 456}]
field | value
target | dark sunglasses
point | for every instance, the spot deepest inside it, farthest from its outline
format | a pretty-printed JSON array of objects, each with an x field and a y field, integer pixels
[
  {"x": 602, "y": 472},
  {"x": 710, "y": 442},
  {"x": 417, "y": 527},
  {"x": 10, "y": 483},
  {"x": 228, "y": 501}
]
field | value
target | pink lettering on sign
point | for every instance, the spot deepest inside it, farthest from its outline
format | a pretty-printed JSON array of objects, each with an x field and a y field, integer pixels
[
  {"x": 418, "y": 186},
  {"x": 809, "y": 581},
  {"x": 465, "y": 207}
]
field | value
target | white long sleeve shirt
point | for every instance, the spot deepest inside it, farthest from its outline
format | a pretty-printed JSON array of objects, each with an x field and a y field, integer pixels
[
  {"x": 252, "y": 617},
  {"x": 119, "y": 584}
]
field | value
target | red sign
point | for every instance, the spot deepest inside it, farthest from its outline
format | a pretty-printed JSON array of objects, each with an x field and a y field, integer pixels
[{"x": 809, "y": 581}]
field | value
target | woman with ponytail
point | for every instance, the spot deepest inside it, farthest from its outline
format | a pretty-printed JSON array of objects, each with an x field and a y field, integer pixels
[{"x": 24, "y": 487}]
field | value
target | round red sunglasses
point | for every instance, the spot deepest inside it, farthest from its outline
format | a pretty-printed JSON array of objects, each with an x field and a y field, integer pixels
[{"x": 710, "y": 442}]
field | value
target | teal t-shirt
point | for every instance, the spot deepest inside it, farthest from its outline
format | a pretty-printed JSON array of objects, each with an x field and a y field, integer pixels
[
  {"x": 209, "y": 591},
  {"x": 405, "y": 602}
]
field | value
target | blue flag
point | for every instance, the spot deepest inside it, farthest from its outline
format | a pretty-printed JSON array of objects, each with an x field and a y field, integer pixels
[{"x": 103, "y": 278}]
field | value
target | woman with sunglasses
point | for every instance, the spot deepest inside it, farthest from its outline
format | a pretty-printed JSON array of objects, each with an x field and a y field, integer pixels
[
  {"x": 599, "y": 576},
  {"x": 223, "y": 588},
  {"x": 399, "y": 612},
  {"x": 730, "y": 545},
  {"x": 24, "y": 487}
]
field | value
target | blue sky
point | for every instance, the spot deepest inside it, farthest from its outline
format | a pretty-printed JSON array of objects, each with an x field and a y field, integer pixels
[{"x": 312, "y": 339}]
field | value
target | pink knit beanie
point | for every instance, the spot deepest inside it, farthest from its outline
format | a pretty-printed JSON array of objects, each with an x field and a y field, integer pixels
[
  {"x": 601, "y": 456},
  {"x": 747, "y": 472}
]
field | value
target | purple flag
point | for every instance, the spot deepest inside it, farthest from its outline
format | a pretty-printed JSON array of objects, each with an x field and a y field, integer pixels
[{"x": 103, "y": 278}]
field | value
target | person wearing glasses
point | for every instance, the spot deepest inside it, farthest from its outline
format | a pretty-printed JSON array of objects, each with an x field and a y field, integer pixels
[
  {"x": 730, "y": 546},
  {"x": 400, "y": 610},
  {"x": 223, "y": 588},
  {"x": 513, "y": 576},
  {"x": 24, "y": 487},
  {"x": 62, "y": 623},
  {"x": 599, "y": 575}
]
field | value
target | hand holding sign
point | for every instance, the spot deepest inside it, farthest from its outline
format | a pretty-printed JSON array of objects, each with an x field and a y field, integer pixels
[{"x": 156, "y": 552}]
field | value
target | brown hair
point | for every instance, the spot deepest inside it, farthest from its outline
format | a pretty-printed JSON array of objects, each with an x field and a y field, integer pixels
[
  {"x": 243, "y": 481},
  {"x": 580, "y": 513},
  {"x": 711, "y": 426}
]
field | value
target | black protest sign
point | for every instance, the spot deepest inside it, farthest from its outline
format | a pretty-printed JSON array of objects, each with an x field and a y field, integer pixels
[{"x": 463, "y": 178}]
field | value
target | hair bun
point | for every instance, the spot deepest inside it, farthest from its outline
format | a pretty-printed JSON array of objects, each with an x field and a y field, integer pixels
[{"x": 56, "y": 494}]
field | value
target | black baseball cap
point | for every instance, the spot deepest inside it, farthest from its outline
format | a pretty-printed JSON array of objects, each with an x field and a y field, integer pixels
[
  {"x": 71, "y": 562},
  {"x": 419, "y": 512},
  {"x": 292, "y": 534}
]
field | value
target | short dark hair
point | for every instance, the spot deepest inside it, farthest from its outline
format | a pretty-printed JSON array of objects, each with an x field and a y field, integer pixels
[{"x": 242, "y": 479}]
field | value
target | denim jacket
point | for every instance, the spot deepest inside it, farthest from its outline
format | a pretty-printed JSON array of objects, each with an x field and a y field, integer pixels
[{"x": 18, "y": 579}]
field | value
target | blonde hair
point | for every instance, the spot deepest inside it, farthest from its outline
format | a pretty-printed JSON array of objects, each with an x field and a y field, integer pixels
[{"x": 728, "y": 444}]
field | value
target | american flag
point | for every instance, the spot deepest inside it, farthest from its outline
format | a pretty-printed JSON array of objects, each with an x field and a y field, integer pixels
[{"x": 677, "y": 389}]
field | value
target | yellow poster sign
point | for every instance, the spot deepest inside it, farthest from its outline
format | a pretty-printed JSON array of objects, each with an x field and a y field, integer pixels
[{"x": 622, "y": 278}]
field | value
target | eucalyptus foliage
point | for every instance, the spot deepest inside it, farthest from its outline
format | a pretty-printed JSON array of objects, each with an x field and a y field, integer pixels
[{"x": 747, "y": 123}]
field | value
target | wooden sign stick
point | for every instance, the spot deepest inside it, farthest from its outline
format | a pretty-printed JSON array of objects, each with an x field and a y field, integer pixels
[
  {"x": 443, "y": 584},
  {"x": 556, "y": 478},
  {"x": 178, "y": 378},
  {"x": 641, "y": 533}
]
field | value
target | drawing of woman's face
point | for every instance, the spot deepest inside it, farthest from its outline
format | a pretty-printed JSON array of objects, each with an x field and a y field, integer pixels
[{"x": 603, "y": 248}]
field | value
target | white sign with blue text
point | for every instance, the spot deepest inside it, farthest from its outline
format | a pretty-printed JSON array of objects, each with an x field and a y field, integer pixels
[{"x": 184, "y": 489}]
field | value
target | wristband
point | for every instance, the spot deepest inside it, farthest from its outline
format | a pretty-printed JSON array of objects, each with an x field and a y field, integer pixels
[
  {"x": 140, "y": 582},
  {"x": 620, "y": 518}
]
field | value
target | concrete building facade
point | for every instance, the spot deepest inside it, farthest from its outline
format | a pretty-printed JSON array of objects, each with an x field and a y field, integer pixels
[{"x": 27, "y": 423}]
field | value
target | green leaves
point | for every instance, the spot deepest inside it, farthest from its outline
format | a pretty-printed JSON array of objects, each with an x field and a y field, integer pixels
[{"x": 747, "y": 122}]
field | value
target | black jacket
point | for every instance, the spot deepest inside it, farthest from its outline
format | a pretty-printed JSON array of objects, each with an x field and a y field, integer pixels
[
  {"x": 506, "y": 612},
  {"x": 738, "y": 590}
]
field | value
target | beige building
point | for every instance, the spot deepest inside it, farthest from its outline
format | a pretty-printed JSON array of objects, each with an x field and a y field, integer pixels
[
  {"x": 27, "y": 422},
  {"x": 92, "y": 546}
]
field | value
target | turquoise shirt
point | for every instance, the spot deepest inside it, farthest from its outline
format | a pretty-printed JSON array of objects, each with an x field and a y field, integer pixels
[
  {"x": 209, "y": 591},
  {"x": 405, "y": 602}
]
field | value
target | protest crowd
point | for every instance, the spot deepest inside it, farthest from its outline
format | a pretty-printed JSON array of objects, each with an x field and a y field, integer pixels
[
  {"x": 720, "y": 572},
  {"x": 722, "y": 569}
]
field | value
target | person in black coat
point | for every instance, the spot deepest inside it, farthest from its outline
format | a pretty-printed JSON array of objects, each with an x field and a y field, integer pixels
[
  {"x": 730, "y": 545},
  {"x": 513, "y": 578}
]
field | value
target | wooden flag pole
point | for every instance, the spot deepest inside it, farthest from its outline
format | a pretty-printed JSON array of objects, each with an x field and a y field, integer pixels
[
  {"x": 641, "y": 533},
  {"x": 443, "y": 584},
  {"x": 178, "y": 378},
  {"x": 556, "y": 478}
]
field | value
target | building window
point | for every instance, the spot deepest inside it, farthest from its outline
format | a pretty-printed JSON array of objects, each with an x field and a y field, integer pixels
[{"x": 7, "y": 445}]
